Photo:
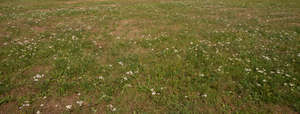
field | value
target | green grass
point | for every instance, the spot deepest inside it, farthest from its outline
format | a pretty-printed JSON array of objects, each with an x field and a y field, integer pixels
[{"x": 150, "y": 56}]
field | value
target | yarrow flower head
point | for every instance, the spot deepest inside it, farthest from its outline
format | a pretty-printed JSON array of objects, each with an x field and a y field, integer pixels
[
  {"x": 121, "y": 63},
  {"x": 37, "y": 77},
  {"x": 80, "y": 103},
  {"x": 69, "y": 107},
  {"x": 129, "y": 73},
  {"x": 112, "y": 108},
  {"x": 101, "y": 78}
]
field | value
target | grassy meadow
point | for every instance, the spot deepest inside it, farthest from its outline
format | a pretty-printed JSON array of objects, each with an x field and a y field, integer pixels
[{"x": 149, "y": 56}]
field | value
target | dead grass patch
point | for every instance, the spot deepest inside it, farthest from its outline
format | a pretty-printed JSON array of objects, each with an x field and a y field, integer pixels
[
  {"x": 127, "y": 29},
  {"x": 39, "y": 29},
  {"x": 81, "y": 1},
  {"x": 280, "y": 109},
  {"x": 53, "y": 105},
  {"x": 38, "y": 69},
  {"x": 8, "y": 107}
]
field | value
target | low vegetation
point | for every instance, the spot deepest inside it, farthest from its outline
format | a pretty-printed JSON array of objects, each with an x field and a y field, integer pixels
[{"x": 153, "y": 56}]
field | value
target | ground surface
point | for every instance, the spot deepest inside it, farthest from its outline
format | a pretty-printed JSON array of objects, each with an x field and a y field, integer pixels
[{"x": 155, "y": 56}]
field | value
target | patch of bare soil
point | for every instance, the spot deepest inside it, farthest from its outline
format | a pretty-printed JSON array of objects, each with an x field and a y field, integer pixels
[
  {"x": 8, "y": 107},
  {"x": 22, "y": 91},
  {"x": 38, "y": 29},
  {"x": 127, "y": 29},
  {"x": 53, "y": 106},
  {"x": 280, "y": 109},
  {"x": 80, "y": 1},
  {"x": 38, "y": 69}
]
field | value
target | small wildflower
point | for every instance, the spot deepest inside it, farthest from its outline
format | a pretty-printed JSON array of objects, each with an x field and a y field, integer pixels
[
  {"x": 41, "y": 105},
  {"x": 175, "y": 50},
  {"x": 69, "y": 107},
  {"x": 38, "y": 112},
  {"x": 265, "y": 57},
  {"x": 112, "y": 108},
  {"x": 100, "y": 78},
  {"x": 248, "y": 70},
  {"x": 79, "y": 103},
  {"x": 153, "y": 93},
  {"x": 264, "y": 80},
  {"x": 37, "y": 77},
  {"x": 258, "y": 84},
  {"x": 201, "y": 75},
  {"x": 204, "y": 95},
  {"x": 26, "y": 104},
  {"x": 287, "y": 75},
  {"x": 291, "y": 84},
  {"x": 129, "y": 73},
  {"x": 121, "y": 63},
  {"x": 151, "y": 89}
]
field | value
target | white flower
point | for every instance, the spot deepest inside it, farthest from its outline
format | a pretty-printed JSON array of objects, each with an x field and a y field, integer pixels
[
  {"x": 38, "y": 112},
  {"x": 264, "y": 80},
  {"x": 204, "y": 95},
  {"x": 153, "y": 92},
  {"x": 79, "y": 103},
  {"x": 287, "y": 75},
  {"x": 265, "y": 57},
  {"x": 121, "y": 63},
  {"x": 260, "y": 71},
  {"x": 247, "y": 69},
  {"x": 110, "y": 106},
  {"x": 41, "y": 105},
  {"x": 69, "y": 107},
  {"x": 26, "y": 104},
  {"x": 37, "y": 77},
  {"x": 129, "y": 73},
  {"x": 291, "y": 84},
  {"x": 258, "y": 84},
  {"x": 151, "y": 89},
  {"x": 201, "y": 75},
  {"x": 125, "y": 78},
  {"x": 298, "y": 55},
  {"x": 101, "y": 78},
  {"x": 175, "y": 50}
]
